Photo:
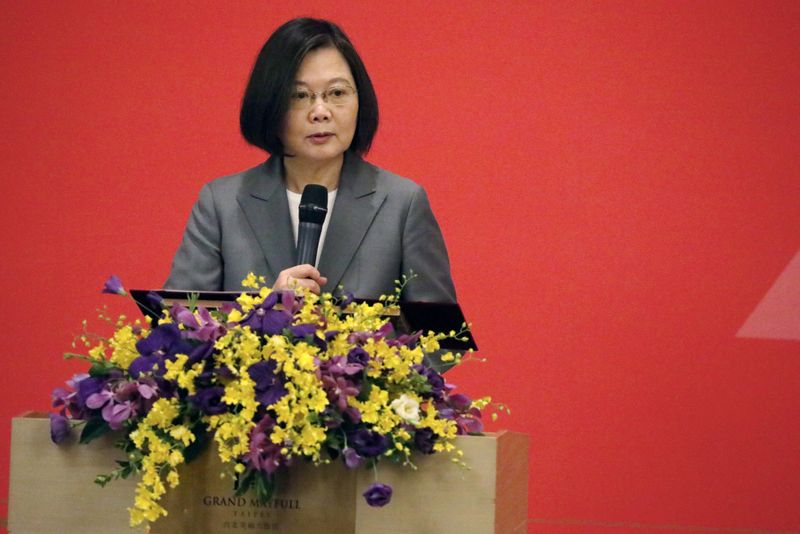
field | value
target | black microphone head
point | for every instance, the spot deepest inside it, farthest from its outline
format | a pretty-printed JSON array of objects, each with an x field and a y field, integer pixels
[{"x": 314, "y": 204}]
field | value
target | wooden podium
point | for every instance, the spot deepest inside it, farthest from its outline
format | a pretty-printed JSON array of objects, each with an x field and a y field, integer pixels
[{"x": 51, "y": 491}]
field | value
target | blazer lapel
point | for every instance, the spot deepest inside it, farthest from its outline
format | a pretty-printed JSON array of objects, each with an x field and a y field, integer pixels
[
  {"x": 263, "y": 200},
  {"x": 357, "y": 202}
]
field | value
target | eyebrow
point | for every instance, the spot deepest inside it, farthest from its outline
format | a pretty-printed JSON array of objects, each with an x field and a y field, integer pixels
[{"x": 332, "y": 80}]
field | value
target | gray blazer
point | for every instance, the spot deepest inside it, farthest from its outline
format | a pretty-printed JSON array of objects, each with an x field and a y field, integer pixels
[{"x": 381, "y": 227}]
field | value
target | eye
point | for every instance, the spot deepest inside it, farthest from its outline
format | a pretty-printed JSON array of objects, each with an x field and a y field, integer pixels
[
  {"x": 337, "y": 92},
  {"x": 300, "y": 95}
]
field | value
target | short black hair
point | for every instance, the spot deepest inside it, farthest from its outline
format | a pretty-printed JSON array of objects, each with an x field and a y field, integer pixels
[{"x": 266, "y": 99}]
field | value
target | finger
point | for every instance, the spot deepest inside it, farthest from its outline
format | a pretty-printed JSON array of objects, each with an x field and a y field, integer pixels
[{"x": 305, "y": 271}]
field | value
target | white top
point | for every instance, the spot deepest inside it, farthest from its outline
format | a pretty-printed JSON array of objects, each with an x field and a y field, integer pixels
[{"x": 294, "y": 212}]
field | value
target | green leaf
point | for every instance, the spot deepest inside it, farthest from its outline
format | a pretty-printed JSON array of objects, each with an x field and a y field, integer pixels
[
  {"x": 100, "y": 369},
  {"x": 365, "y": 389},
  {"x": 198, "y": 445},
  {"x": 126, "y": 471},
  {"x": 265, "y": 487},
  {"x": 243, "y": 482},
  {"x": 94, "y": 429},
  {"x": 192, "y": 301},
  {"x": 102, "y": 480}
]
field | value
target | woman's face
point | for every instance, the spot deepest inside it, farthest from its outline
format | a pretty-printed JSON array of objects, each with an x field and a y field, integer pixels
[{"x": 317, "y": 130}]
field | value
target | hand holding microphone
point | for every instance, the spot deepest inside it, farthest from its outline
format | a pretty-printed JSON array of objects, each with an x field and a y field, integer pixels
[
  {"x": 313, "y": 209},
  {"x": 301, "y": 276}
]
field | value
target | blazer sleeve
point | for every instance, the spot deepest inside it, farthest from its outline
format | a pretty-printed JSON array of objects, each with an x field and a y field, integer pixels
[
  {"x": 425, "y": 254},
  {"x": 198, "y": 262}
]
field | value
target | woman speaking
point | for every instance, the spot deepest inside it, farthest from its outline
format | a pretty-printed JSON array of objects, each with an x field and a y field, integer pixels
[{"x": 310, "y": 104}]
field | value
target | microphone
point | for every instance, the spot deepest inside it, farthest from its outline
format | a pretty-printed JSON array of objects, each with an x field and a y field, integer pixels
[{"x": 313, "y": 208}]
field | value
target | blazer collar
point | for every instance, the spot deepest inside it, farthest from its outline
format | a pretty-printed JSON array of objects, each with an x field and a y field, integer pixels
[
  {"x": 357, "y": 202},
  {"x": 263, "y": 200}
]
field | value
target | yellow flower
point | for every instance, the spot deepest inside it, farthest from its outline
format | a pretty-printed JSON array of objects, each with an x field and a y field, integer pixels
[
  {"x": 175, "y": 368},
  {"x": 172, "y": 478},
  {"x": 163, "y": 412},
  {"x": 235, "y": 316},
  {"x": 98, "y": 352},
  {"x": 429, "y": 342},
  {"x": 165, "y": 318},
  {"x": 182, "y": 434},
  {"x": 123, "y": 345},
  {"x": 252, "y": 281},
  {"x": 304, "y": 356},
  {"x": 175, "y": 458}
]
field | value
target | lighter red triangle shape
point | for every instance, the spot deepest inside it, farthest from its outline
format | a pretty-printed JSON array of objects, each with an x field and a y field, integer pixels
[{"x": 777, "y": 316}]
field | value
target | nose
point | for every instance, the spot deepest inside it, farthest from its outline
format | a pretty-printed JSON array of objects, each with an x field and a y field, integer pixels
[{"x": 319, "y": 112}]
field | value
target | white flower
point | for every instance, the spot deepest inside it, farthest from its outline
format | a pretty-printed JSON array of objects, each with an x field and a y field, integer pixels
[{"x": 407, "y": 408}]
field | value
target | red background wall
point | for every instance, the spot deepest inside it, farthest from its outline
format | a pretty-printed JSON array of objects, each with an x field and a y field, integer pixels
[{"x": 616, "y": 181}]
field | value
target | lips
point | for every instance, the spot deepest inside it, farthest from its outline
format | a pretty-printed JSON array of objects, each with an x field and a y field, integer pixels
[{"x": 320, "y": 137}]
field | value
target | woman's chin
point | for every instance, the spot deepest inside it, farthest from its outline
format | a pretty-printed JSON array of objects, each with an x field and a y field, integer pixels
[{"x": 320, "y": 154}]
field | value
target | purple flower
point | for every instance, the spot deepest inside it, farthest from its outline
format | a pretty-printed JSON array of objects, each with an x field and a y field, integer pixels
[
  {"x": 378, "y": 494},
  {"x": 88, "y": 387},
  {"x": 424, "y": 438},
  {"x": 339, "y": 365},
  {"x": 353, "y": 414},
  {"x": 369, "y": 444},
  {"x": 362, "y": 337},
  {"x": 210, "y": 329},
  {"x": 269, "y": 386},
  {"x": 335, "y": 375},
  {"x": 264, "y": 455},
  {"x": 200, "y": 353},
  {"x": 95, "y": 401},
  {"x": 330, "y": 334},
  {"x": 338, "y": 389},
  {"x": 182, "y": 315},
  {"x": 459, "y": 401},
  {"x": 68, "y": 401},
  {"x": 302, "y": 331},
  {"x": 209, "y": 400},
  {"x": 291, "y": 302},
  {"x": 265, "y": 320},
  {"x": 458, "y": 407},
  {"x": 470, "y": 422},
  {"x": 164, "y": 340},
  {"x": 202, "y": 328},
  {"x": 408, "y": 340},
  {"x": 117, "y": 413},
  {"x": 351, "y": 458},
  {"x": 358, "y": 356},
  {"x": 59, "y": 428},
  {"x": 347, "y": 298},
  {"x": 62, "y": 397},
  {"x": 144, "y": 364},
  {"x": 435, "y": 381},
  {"x": 163, "y": 343},
  {"x": 114, "y": 286},
  {"x": 120, "y": 400},
  {"x": 144, "y": 388}
]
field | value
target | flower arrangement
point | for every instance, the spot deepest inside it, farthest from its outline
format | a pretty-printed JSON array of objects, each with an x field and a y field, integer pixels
[{"x": 276, "y": 376}]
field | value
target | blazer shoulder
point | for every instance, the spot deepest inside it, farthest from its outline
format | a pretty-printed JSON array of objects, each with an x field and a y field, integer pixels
[
  {"x": 234, "y": 183},
  {"x": 394, "y": 183}
]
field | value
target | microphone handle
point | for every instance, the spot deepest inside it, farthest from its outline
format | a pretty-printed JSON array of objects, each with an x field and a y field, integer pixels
[{"x": 307, "y": 242}]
